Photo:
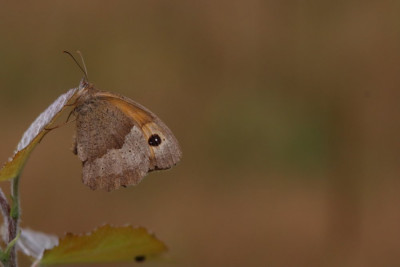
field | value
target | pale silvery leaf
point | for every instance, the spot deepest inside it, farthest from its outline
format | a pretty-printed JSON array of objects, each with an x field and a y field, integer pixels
[
  {"x": 34, "y": 243},
  {"x": 44, "y": 119},
  {"x": 36, "y": 132}
]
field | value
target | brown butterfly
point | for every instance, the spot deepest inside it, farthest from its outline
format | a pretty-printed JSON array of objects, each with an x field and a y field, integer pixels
[{"x": 118, "y": 140}]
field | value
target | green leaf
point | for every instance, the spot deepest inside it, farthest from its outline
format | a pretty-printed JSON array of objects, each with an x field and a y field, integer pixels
[
  {"x": 105, "y": 244},
  {"x": 34, "y": 134}
]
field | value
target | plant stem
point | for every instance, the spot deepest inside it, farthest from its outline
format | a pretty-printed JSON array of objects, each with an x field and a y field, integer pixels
[
  {"x": 5, "y": 211},
  {"x": 13, "y": 226},
  {"x": 5, "y": 208}
]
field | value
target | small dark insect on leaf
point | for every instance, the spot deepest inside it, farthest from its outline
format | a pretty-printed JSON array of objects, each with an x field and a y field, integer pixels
[{"x": 140, "y": 258}]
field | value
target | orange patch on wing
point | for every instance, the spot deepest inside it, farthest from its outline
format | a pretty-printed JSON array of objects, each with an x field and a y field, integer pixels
[{"x": 136, "y": 113}]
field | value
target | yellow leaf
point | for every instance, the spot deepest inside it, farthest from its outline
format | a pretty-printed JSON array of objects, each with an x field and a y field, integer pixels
[{"x": 105, "y": 244}]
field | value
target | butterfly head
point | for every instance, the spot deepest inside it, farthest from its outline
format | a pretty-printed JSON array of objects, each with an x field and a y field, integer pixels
[{"x": 86, "y": 91}]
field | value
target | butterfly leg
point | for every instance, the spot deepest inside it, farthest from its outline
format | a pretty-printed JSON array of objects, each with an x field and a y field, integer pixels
[{"x": 66, "y": 122}]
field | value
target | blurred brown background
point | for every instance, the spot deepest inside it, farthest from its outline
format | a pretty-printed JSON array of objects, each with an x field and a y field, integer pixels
[{"x": 286, "y": 111}]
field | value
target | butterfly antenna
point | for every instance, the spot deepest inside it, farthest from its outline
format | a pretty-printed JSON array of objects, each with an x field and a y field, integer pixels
[
  {"x": 77, "y": 63},
  {"x": 83, "y": 62}
]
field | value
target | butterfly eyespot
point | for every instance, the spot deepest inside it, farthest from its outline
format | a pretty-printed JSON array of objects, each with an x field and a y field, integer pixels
[{"x": 155, "y": 140}]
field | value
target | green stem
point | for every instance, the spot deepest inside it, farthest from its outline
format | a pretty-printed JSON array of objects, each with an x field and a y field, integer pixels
[{"x": 15, "y": 211}]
